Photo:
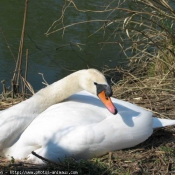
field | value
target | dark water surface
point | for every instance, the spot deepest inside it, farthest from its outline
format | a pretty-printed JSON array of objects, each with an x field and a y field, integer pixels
[{"x": 56, "y": 54}]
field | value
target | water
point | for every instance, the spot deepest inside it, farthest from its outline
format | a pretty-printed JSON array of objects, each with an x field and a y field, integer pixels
[{"x": 56, "y": 55}]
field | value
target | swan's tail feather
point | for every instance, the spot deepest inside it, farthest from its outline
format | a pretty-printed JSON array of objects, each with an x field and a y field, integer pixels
[{"x": 159, "y": 123}]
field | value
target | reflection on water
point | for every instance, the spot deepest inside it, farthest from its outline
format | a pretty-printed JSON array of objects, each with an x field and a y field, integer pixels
[{"x": 55, "y": 54}]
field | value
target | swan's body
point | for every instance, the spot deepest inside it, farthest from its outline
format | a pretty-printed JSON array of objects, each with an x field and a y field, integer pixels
[{"x": 80, "y": 126}]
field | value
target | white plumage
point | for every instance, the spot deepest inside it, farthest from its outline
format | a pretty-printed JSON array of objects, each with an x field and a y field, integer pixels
[{"x": 80, "y": 126}]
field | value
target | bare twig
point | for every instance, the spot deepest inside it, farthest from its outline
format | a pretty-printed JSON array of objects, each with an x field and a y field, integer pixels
[
  {"x": 45, "y": 82},
  {"x": 19, "y": 60},
  {"x": 44, "y": 159}
]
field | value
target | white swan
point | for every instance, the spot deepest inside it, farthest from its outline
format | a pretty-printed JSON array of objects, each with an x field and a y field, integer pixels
[{"x": 80, "y": 126}]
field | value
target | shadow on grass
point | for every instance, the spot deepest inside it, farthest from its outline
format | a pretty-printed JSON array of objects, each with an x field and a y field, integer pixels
[{"x": 159, "y": 137}]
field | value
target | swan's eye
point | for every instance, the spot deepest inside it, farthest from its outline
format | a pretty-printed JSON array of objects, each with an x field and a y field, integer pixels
[
  {"x": 105, "y": 88},
  {"x": 100, "y": 87}
]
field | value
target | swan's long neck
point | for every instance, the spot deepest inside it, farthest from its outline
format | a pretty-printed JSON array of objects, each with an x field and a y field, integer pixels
[
  {"x": 57, "y": 92},
  {"x": 14, "y": 120}
]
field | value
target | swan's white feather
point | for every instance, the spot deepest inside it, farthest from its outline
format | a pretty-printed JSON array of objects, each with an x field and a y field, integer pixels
[
  {"x": 159, "y": 123},
  {"x": 80, "y": 126}
]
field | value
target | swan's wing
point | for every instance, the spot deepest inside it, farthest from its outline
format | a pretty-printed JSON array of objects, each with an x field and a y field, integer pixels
[
  {"x": 159, "y": 123},
  {"x": 84, "y": 128}
]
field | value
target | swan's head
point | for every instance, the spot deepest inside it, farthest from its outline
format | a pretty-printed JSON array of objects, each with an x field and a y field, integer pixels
[{"x": 95, "y": 82}]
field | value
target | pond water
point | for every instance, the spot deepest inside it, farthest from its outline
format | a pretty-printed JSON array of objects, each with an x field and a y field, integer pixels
[{"x": 56, "y": 55}]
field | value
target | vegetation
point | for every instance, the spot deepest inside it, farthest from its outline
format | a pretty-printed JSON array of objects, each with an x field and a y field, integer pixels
[{"x": 146, "y": 31}]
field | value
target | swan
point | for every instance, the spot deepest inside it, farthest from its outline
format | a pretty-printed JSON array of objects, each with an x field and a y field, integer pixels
[{"x": 69, "y": 118}]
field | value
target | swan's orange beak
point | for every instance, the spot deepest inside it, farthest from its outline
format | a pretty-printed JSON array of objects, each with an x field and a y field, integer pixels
[{"x": 107, "y": 102}]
